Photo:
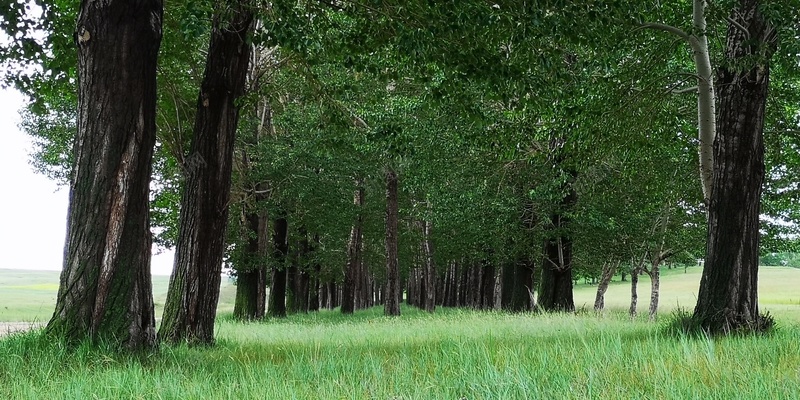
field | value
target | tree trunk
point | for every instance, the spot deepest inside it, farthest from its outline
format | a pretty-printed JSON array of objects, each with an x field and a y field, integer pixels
[
  {"x": 728, "y": 297},
  {"x": 634, "y": 291},
  {"x": 555, "y": 289},
  {"x": 609, "y": 269},
  {"x": 191, "y": 306},
  {"x": 105, "y": 291},
  {"x": 352, "y": 271},
  {"x": 655, "y": 282},
  {"x": 251, "y": 283},
  {"x": 429, "y": 275},
  {"x": 392, "y": 298},
  {"x": 277, "y": 292}
]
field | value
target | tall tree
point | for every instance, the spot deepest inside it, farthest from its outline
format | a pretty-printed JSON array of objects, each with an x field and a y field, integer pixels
[
  {"x": 728, "y": 297},
  {"x": 392, "y": 299},
  {"x": 190, "y": 309},
  {"x": 105, "y": 290}
]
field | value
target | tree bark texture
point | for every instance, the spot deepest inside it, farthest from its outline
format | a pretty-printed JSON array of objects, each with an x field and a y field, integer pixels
[
  {"x": 392, "y": 298},
  {"x": 728, "y": 297},
  {"x": 251, "y": 284},
  {"x": 105, "y": 290},
  {"x": 191, "y": 306}
]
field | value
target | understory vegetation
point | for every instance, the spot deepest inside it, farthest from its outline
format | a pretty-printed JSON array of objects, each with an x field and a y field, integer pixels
[{"x": 453, "y": 354}]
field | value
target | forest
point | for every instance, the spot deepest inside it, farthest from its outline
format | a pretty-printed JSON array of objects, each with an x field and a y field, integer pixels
[{"x": 353, "y": 155}]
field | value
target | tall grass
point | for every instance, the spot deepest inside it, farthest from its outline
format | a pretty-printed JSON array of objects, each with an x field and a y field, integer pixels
[{"x": 453, "y": 354}]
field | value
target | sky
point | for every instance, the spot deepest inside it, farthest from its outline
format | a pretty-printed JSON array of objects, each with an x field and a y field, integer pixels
[{"x": 33, "y": 209}]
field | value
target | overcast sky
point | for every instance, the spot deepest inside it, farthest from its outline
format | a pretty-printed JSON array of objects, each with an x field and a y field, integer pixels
[{"x": 33, "y": 209}]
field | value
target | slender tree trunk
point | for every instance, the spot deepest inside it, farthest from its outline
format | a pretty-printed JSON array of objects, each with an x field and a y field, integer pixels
[
  {"x": 191, "y": 306},
  {"x": 634, "y": 291},
  {"x": 655, "y": 283},
  {"x": 609, "y": 269},
  {"x": 352, "y": 271},
  {"x": 392, "y": 299},
  {"x": 728, "y": 297},
  {"x": 105, "y": 291},
  {"x": 277, "y": 293},
  {"x": 429, "y": 269}
]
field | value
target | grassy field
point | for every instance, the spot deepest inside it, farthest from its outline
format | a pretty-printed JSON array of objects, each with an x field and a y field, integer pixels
[
  {"x": 31, "y": 295},
  {"x": 452, "y": 354}
]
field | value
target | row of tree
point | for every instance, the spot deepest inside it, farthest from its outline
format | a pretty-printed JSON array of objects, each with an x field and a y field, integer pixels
[{"x": 454, "y": 154}]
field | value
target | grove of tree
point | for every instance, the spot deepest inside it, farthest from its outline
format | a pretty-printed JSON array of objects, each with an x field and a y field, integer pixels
[{"x": 455, "y": 153}]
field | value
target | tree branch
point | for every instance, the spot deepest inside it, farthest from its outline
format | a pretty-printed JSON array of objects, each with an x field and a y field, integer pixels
[{"x": 666, "y": 28}]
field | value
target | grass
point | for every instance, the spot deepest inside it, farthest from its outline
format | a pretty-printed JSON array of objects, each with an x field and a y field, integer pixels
[{"x": 452, "y": 354}]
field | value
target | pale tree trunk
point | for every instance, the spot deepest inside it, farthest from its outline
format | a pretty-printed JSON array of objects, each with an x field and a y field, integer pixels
[
  {"x": 392, "y": 299},
  {"x": 429, "y": 269},
  {"x": 728, "y": 297},
  {"x": 609, "y": 269},
  {"x": 352, "y": 271},
  {"x": 105, "y": 291},
  {"x": 706, "y": 110},
  {"x": 191, "y": 305}
]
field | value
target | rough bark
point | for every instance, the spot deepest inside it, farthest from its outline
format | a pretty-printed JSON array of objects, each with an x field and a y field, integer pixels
[
  {"x": 352, "y": 271},
  {"x": 191, "y": 306},
  {"x": 392, "y": 297},
  {"x": 728, "y": 297},
  {"x": 277, "y": 292},
  {"x": 105, "y": 290}
]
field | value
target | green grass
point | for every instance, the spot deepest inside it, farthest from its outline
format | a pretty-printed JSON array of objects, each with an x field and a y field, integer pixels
[{"x": 452, "y": 354}]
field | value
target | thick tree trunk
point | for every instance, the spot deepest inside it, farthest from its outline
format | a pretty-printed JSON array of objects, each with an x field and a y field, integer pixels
[
  {"x": 352, "y": 271},
  {"x": 277, "y": 292},
  {"x": 609, "y": 269},
  {"x": 191, "y": 306},
  {"x": 728, "y": 297},
  {"x": 555, "y": 288},
  {"x": 392, "y": 298},
  {"x": 105, "y": 291}
]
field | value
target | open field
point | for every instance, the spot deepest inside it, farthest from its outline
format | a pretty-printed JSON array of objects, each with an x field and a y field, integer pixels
[
  {"x": 27, "y": 296},
  {"x": 30, "y": 296}
]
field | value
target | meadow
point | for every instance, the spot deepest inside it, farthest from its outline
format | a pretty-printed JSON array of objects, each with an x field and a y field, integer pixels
[{"x": 452, "y": 354}]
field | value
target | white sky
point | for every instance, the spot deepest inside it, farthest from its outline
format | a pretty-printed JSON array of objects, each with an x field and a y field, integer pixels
[{"x": 33, "y": 209}]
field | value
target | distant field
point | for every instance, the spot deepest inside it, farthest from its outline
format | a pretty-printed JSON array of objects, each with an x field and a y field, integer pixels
[{"x": 30, "y": 295}]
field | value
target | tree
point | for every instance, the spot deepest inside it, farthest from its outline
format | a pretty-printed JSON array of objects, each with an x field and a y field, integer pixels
[
  {"x": 105, "y": 291},
  {"x": 393, "y": 295},
  {"x": 728, "y": 297},
  {"x": 190, "y": 309}
]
